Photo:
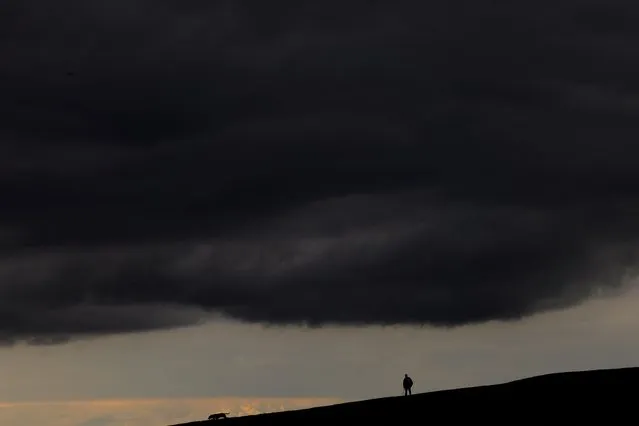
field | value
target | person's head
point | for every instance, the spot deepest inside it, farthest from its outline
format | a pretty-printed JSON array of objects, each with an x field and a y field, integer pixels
[{"x": 405, "y": 375}]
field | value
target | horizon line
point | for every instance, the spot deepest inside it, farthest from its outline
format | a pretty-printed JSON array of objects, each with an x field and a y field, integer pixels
[{"x": 4, "y": 404}]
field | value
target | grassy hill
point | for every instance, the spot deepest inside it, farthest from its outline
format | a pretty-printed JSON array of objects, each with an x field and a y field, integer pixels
[{"x": 574, "y": 398}]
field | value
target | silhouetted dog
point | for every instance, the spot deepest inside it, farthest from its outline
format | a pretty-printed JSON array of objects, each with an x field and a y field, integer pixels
[{"x": 218, "y": 416}]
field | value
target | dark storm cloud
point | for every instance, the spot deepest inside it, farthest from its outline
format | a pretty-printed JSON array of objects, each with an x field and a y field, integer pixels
[{"x": 320, "y": 162}]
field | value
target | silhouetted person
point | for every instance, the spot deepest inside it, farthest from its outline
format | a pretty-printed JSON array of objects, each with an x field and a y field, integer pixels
[{"x": 408, "y": 385}]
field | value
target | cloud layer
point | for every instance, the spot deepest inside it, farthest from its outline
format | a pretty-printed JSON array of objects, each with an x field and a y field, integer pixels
[{"x": 312, "y": 162}]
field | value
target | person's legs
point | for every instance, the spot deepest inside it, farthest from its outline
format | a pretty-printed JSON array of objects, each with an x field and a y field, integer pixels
[
  {"x": 405, "y": 392},
  {"x": 410, "y": 391}
]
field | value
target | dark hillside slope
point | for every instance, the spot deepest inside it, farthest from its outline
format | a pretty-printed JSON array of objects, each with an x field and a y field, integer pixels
[{"x": 575, "y": 398}]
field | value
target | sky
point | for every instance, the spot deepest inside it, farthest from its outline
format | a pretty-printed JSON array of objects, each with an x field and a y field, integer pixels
[{"x": 260, "y": 205}]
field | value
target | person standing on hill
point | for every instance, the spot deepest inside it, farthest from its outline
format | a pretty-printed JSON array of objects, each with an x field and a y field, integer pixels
[{"x": 408, "y": 385}]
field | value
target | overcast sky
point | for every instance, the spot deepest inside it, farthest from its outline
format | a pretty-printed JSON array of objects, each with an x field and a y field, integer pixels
[{"x": 304, "y": 199}]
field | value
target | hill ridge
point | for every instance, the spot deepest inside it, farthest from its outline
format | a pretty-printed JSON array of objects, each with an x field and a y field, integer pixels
[{"x": 588, "y": 396}]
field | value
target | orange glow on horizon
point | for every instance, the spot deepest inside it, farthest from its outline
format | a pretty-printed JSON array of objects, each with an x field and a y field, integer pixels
[{"x": 145, "y": 411}]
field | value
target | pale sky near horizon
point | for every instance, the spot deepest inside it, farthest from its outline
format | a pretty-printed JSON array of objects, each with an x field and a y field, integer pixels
[{"x": 183, "y": 374}]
